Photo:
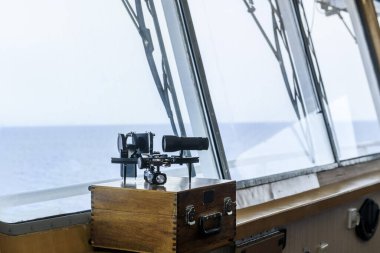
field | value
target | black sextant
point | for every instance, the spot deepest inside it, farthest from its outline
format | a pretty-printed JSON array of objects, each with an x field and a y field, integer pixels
[{"x": 136, "y": 150}]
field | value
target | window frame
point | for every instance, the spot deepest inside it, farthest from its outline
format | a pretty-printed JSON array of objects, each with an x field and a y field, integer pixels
[
  {"x": 198, "y": 71},
  {"x": 193, "y": 47},
  {"x": 181, "y": 8},
  {"x": 198, "y": 111}
]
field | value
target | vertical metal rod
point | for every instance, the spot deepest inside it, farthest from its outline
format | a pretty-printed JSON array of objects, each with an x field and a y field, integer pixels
[
  {"x": 316, "y": 77},
  {"x": 204, "y": 92},
  {"x": 189, "y": 166},
  {"x": 125, "y": 173},
  {"x": 371, "y": 29},
  {"x": 167, "y": 69}
]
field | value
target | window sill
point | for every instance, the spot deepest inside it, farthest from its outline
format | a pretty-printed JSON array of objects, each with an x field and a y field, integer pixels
[{"x": 258, "y": 218}]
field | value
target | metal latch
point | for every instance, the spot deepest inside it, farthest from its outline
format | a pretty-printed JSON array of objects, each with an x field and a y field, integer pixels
[
  {"x": 228, "y": 205},
  {"x": 190, "y": 215}
]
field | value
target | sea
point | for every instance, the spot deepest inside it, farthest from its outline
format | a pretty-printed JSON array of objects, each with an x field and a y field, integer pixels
[{"x": 34, "y": 159}]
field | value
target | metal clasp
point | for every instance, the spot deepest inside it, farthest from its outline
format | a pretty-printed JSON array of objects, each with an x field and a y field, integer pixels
[
  {"x": 190, "y": 215},
  {"x": 228, "y": 205}
]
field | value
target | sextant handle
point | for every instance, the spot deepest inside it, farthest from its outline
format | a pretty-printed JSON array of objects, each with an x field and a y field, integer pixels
[{"x": 171, "y": 143}]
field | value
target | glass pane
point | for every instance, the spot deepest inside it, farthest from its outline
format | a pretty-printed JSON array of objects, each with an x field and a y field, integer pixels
[
  {"x": 270, "y": 121},
  {"x": 352, "y": 109},
  {"x": 73, "y": 75}
]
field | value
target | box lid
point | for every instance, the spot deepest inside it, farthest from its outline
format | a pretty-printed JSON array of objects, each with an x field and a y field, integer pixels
[{"x": 173, "y": 184}]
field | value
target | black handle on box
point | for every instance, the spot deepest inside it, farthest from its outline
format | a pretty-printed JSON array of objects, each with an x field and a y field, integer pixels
[{"x": 216, "y": 217}]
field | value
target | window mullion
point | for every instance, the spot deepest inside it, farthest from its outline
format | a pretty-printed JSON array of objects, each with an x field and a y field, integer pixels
[{"x": 312, "y": 63}]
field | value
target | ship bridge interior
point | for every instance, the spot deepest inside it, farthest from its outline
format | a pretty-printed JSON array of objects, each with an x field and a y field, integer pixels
[{"x": 283, "y": 96}]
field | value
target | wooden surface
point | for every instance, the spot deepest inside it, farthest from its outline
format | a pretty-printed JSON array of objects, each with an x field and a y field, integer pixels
[
  {"x": 173, "y": 184},
  {"x": 195, "y": 197},
  {"x": 305, "y": 227},
  {"x": 132, "y": 218},
  {"x": 328, "y": 226},
  {"x": 132, "y": 200},
  {"x": 344, "y": 173},
  {"x": 73, "y": 239},
  {"x": 189, "y": 238},
  {"x": 145, "y": 218},
  {"x": 140, "y": 233},
  {"x": 256, "y": 219}
]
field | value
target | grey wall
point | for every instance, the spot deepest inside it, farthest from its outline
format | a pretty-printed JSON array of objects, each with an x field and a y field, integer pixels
[{"x": 330, "y": 227}]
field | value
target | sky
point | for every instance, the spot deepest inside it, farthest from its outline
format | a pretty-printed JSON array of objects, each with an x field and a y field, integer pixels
[
  {"x": 68, "y": 62},
  {"x": 237, "y": 58},
  {"x": 73, "y": 62}
]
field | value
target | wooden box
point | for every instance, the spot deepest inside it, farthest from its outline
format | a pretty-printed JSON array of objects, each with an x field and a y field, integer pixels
[{"x": 140, "y": 217}]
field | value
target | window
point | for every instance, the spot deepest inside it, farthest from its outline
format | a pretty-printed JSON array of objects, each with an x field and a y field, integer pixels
[
  {"x": 286, "y": 95},
  {"x": 74, "y": 74},
  {"x": 268, "y": 112},
  {"x": 347, "y": 83},
  {"x": 287, "y": 80}
]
